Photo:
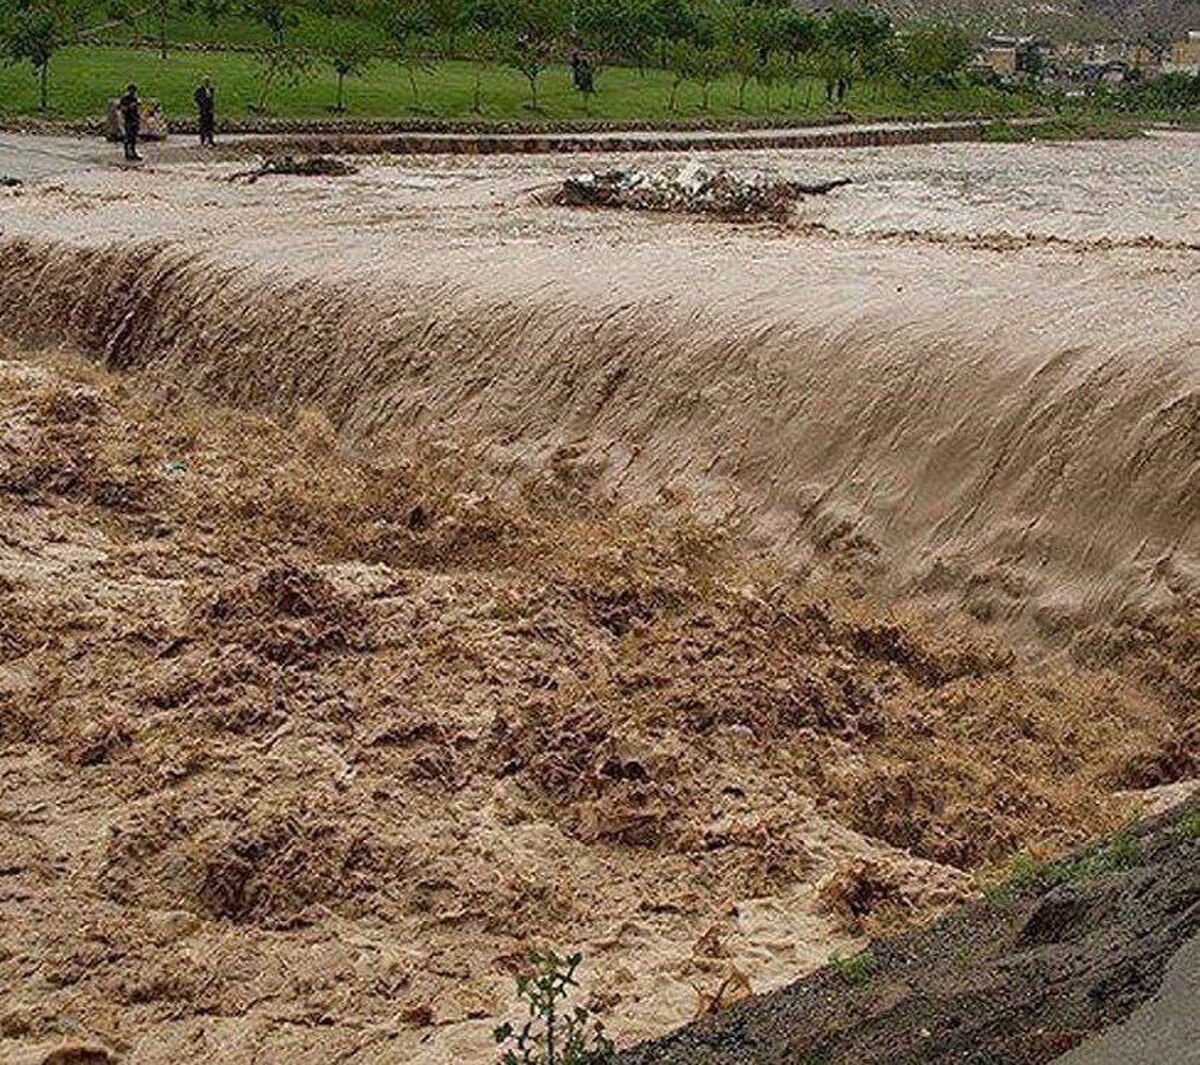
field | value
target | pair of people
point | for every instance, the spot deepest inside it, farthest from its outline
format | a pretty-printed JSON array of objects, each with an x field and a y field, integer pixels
[{"x": 130, "y": 107}]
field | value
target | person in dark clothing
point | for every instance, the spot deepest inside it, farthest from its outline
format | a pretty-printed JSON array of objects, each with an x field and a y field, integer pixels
[
  {"x": 131, "y": 119},
  {"x": 205, "y": 98},
  {"x": 581, "y": 73}
]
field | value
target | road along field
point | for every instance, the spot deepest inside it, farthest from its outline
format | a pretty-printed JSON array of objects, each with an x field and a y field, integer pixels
[{"x": 412, "y": 573}]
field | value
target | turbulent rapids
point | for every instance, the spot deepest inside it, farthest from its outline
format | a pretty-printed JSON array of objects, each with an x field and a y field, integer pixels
[{"x": 411, "y": 571}]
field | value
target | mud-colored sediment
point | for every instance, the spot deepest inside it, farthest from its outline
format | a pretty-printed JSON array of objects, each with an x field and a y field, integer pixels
[{"x": 426, "y": 574}]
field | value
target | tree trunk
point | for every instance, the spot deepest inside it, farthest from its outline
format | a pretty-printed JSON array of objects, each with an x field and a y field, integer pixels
[
  {"x": 341, "y": 106},
  {"x": 44, "y": 84},
  {"x": 162, "y": 35},
  {"x": 477, "y": 95}
]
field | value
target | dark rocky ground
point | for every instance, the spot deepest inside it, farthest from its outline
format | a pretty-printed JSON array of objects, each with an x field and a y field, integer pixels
[{"x": 1022, "y": 976}]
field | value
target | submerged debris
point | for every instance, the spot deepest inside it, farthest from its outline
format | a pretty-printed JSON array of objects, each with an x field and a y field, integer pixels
[
  {"x": 7, "y": 182},
  {"x": 691, "y": 189},
  {"x": 313, "y": 166}
]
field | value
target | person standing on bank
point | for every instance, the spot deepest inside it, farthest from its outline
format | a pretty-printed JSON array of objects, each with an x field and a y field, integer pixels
[
  {"x": 131, "y": 120},
  {"x": 205, "y": 98}
]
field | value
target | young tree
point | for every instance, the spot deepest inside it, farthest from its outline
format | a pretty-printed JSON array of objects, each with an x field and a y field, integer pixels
[
  {"x": 482, "y": 47},
  {"x": 161, "y": 12},
  {"x": 275, "y": 16},
  {"x": 775, "y": 69},
  {"x": 157, "y": 12},
  {"x": 678, "y": 61},
  {"x": 413, "y": 27},
  {"x": 672, "y": 21},
  {"x": 535, "y": 30},
  {"x": 278, "y": 65},
  {"x": 32, "y": 31},
  {"x": 797, "y": 32},
  {"x": 697, "y": 63},
  {"x": 797, "y": 68},
  {"x": 212, "y": 11},
  {"x": 853, "y": 43},
  {"x": 350, "y": 54},
  {"x": 611, "y": 29},
  {"x": 935, "y": 53},
  {"x": 833, "y": 65},
  {"x": 484, "y": 22},
  {"x": 750, "y": 33}
]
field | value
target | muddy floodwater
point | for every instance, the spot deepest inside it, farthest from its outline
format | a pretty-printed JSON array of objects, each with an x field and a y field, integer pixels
[{"x": 397, "y": 572}]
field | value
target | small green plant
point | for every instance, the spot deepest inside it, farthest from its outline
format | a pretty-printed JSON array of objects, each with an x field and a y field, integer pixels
[
  {"x": 1026, "y": 873},
  {"x": 553, "y": 1035},
  {"x": 856, "y": 969},
  {"x": 1189, "y": 827}
]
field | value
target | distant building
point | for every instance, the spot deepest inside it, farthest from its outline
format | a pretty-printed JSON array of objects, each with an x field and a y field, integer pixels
[
  {"x": 1107, "y": 52},
  {"x": 1145, "y": 61},
  {"x": 1184, "y": 56},
  {"x": 1001, "y": 61},
  {"x": 1016, "y": 58}
]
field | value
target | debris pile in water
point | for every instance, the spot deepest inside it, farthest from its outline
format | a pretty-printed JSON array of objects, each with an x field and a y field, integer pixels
[
  {"x": 313, "y": 166},
  {"x": 691, "y": 189}
]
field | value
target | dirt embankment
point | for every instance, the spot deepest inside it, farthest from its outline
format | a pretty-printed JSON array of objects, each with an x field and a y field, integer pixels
[
  {"x": 1020, "y": 978},
  {"x": 301, "y": 753}
]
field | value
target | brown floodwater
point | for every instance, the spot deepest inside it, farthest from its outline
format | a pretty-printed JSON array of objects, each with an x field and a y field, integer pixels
[{"x": 967, "y": 384}]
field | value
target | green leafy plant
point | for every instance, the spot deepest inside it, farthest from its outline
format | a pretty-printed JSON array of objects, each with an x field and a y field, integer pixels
[
  {"x": 553, "y": 1034},
  {"x": 535, "y": 30},
  {"x": 856, "y": 969}
]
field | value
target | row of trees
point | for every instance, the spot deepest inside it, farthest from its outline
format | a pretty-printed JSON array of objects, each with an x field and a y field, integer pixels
[{"x": 698, "y": 41}]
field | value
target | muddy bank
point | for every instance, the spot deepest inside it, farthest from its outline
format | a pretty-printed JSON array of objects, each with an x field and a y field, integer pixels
[{"x": 1054, "y": 955}]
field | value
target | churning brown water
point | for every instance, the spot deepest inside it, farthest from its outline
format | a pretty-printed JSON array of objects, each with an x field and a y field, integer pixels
[{"x": 969, "y": 382}]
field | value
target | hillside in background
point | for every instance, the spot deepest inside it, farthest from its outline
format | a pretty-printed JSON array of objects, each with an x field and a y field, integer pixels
[
  {"x": 1063, "y": 18},
  {"x": 317, "y": 21}
]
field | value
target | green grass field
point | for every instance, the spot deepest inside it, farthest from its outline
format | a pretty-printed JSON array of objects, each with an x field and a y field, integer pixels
[{"x": 81, "y": 79}]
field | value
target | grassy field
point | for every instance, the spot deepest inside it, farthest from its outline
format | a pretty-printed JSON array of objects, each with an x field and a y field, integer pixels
[{"x": 81, "y": 79}]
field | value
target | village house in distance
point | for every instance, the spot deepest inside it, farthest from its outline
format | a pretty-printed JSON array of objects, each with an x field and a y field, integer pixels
[{"x": 1016, "y": 59}]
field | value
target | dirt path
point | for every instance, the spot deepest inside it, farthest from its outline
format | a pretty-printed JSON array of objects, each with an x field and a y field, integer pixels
[{"x": 33, "y": 156}]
